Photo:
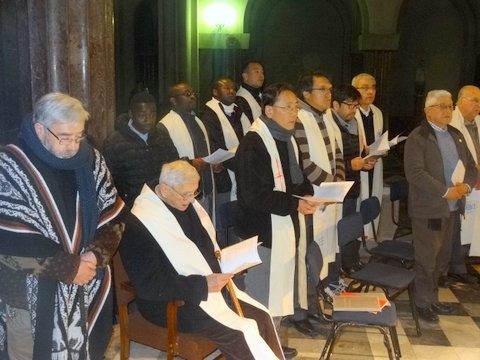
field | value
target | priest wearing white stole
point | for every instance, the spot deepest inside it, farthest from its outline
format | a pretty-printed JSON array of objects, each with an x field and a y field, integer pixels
[
  {"x": 466, "y": 119},
  {"x": 268, "y": 176},
  {"x": 322, "y": 161},
  {"x": 226, "y": 124},
  {"x": 168, "y": 250},
  {"x": 370, "y": 128},
  {"x": 190, "y": 138},
  {"x": 344, "y": 105},
  {"x": 249, "y": 93}
]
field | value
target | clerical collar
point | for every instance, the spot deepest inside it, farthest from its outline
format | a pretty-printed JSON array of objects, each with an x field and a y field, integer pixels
[
  {"x": 228, "y": 109},
  {"x": 436, "y": 127},
  {"x": 143, "y": 136},
  {"x": 365, "y": 112}
]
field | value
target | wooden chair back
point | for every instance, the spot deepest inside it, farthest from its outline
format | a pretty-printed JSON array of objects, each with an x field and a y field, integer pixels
[{"x": 134, "y": 327}]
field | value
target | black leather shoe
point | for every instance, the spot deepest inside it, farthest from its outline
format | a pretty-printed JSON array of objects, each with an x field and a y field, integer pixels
[
  {"x": 463, "y": 278},
  {"x": 289, "y": 352},
  {"x": 427, "y": 314},
  {"x": 442, "y": 308},
  {"x": 304, "y": 327},
  {"x": 445, "y": 281}
]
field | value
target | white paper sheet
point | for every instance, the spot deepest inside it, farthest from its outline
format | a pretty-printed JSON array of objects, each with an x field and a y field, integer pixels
[
  {"x": 458, "y": 174},
  {"x": 219, "y": 156},
  {"x": 379, "y": 147},
  {"x": 329, "y": 192},
  {"x": 397, "y": 140},
  {"x": 240, "y": 256}
]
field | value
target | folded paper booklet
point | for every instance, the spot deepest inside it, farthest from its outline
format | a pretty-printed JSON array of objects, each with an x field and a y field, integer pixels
[
  {"x": 219, "y": 156},
  {"x": 373, "y": 302},
  {"x": 240, "y": 256},
  {"x": 458, "y": 174},
  {"x": 329, "y": 192},
  {"x": 379, "y": 147}
]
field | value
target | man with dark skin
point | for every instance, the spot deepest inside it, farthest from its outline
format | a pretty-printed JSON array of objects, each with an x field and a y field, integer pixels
[
  {"x": 190, "y": 138},
  {"x": 226, "y": 124},
  {"x": 136, "y": 151}
]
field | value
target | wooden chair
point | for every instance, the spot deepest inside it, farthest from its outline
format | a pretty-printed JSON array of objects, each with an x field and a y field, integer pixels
[{"x": 134, "y": 327}]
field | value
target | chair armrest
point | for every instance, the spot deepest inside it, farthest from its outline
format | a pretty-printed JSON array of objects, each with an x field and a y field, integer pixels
[{"x": 128, "y": 286}]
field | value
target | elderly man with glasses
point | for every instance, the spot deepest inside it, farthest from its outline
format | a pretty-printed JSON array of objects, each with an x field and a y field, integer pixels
[
  {"x": 57, "y": 235},
  {"x": 190, "y": 138},
  {"x": 435, "y": 201},
  {"x": 370, "y": 127},
  {"x": 168, "y": 251}
]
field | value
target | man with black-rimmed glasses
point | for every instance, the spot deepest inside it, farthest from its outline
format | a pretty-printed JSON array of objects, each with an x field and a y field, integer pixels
[{"x": 345, "y": 102}]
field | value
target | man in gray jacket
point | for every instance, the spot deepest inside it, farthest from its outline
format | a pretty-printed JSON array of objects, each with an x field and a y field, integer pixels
[{"x": 435, "y": 201}]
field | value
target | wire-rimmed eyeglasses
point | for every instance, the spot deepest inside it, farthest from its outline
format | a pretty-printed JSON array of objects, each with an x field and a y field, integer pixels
[{"x": 68, "y": 139}]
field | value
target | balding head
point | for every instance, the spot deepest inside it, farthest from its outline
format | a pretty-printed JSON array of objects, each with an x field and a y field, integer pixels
[{"x": 468, "y": 102}]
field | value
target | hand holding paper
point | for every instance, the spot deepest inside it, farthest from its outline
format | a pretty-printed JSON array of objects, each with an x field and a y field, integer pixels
[
  {"x": 458, "y": 174},
  {"x": 329, "y": 192},
  {"x": 240, "y": 256},
  {"x": 379, "y": 147},
  {"x": 219, "y": 156}
]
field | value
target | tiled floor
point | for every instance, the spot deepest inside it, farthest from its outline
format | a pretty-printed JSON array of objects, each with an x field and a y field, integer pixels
[{"x": 455, "y": 337}]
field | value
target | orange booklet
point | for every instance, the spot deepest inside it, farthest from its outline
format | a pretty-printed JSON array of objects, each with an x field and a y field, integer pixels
[{"x": 373, "y": 302}]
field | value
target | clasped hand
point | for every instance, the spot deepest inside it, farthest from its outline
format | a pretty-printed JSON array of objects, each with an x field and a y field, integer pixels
[
  {"x": 87, "y": 269},
  {"x": 456, "y": 192}
]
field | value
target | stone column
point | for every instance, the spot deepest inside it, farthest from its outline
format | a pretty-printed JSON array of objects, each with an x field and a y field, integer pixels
[{"x": 67, "y": 46}]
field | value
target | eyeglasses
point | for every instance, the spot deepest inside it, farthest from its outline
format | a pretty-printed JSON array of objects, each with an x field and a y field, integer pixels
[
  {"x": 366, "y": 88},
  {"x": 289, "y": 108},
  {"x": 442, "y": 106},
  {"x": 351, "y": 106},
  {"x": 185, "y": 196},
  {"x": 322, "y": 89},
  {"x": 66, "y": 140}
]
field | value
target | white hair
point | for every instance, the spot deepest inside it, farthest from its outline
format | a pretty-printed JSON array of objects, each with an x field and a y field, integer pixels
[
  {"x": 177, "y": 173},
  {"x": 434, "y": 95},
  {"x": 57, "y": 107},
  {"x": 357, "y": 78}
]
